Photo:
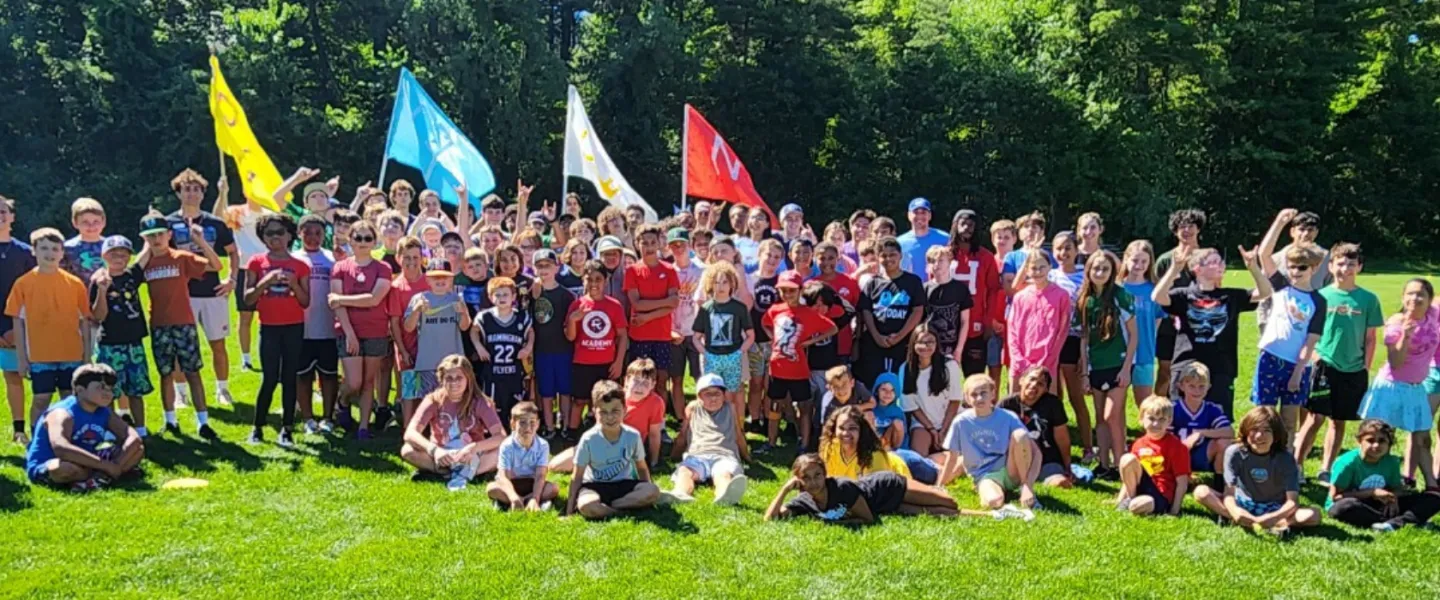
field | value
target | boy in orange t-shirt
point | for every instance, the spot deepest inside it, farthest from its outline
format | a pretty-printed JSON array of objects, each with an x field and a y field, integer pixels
[{"x": 54, "y": 306}]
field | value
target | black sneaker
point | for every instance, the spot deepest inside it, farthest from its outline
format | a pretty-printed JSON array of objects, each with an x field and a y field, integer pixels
[
  {"x": 382, "y": 418},
  {"x": 129, "y": 420},
  {"x": 172, "y": 429},
  {"x": 257, "y": 436},
  {"x": 208, "y": 433},
  {"x": 286, "y": 440}
]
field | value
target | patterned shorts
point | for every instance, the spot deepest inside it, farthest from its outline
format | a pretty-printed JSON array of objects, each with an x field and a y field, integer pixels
[
  {"x": 132, "y": 368},
  {"x": 727, "y": 366},
  {"x": 759, "y": 359},
  {"x": 175, "y": 343},
  {"x": 411, "y": 386}
]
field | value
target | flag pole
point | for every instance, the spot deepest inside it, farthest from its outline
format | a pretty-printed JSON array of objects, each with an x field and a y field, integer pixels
[
  {"x": 565, "y": 160},
  {"x": 684, "y": 154}
]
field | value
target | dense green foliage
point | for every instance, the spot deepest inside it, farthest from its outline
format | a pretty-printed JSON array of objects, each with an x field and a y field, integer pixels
[{"x": 1122, "y": 106}]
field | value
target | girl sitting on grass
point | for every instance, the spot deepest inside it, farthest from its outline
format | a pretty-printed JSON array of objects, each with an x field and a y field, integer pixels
[
  {"x": 464, "y": 430},
  {"x": 1366, "y": 489}
]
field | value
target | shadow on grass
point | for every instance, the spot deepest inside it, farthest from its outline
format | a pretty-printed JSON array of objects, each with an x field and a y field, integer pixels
[
  {"x": 14, "y": 493},
  {"x": 1337, "y": 533},
  {"x": 664, "y": 517},
  {"x": 1056, "y": 506},
  {"x": 198, "y": 455},
  {"x": 756, "y": 472},
  {"x": 348, "y": 453}
]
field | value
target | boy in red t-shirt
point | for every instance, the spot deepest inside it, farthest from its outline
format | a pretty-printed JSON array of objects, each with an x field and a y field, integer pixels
[
  {"x": 409, "y": 282},
  {"x": 596, "y": 325},
  {"x": 793, "y": 327},
  {"x": 1156, "y": 472},
  {"x": 653, "y": 288},
  {"x": 644, "y": 410}
]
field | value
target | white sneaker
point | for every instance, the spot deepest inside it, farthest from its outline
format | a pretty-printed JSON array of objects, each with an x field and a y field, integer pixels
[
  {"x": 1010, "y": 511},
  {"x": 222, "y": 397},
  {"x": 733, "y": 492},
  {"x": 311, "y": 427},
  {"x": 674, "y": 497}
]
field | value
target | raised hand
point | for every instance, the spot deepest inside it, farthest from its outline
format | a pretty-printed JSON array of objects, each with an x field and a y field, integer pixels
[
  {"x": 1286, "y": 215},
  {"x": 305, "y": 174},
  {"x": 548, "y": 208},
  {"x": 1250, "y": 255},
  {"x": 332, "y": 186},
  {"x": 523, "y": 191}
]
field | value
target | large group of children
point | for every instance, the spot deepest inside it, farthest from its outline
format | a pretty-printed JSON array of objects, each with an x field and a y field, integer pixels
[{"x": 515, "y": 344}]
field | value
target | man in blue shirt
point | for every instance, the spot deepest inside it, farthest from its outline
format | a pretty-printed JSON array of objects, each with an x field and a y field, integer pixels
[{"x": 915, "y": 243}]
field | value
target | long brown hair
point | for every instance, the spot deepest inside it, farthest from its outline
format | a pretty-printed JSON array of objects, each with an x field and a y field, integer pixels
[
  {"x": 456, "y": 362},
  {"x": 939, "y": 371},
  {"x": 865, "y": 447},
  {"x": 1104, "y": 298},
  {"x": 1264, "y": 415}
]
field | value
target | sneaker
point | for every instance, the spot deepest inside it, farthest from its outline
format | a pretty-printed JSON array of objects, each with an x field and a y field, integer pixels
[
  {"x": 206, "y": 432},
  {"x": 172, "y": 429},
  {"x": 546, "y": 506},
  {"x": 1088, "y": 457},
  {"x": 327, "y": 426},
  {"x": 1282, "y": 533},
  {"x": 249, "y": 366},
  {"x": 457, "y": 482},
  {"x": 286, "y": 439},
  {"x": 344, "y": 419},
  {"x": 765, "y": 448},
  {"x": 1384, "y": 527},
  {"x": 222, "y": 397},
  {"x": 81, "y": 487},
  {"x": 665, "y": 436},
  {"x": 257, "y": 436},
  {"x": 311, "y": 428},
  {"x": 734, "y": 492},
  {"x": 128, "y": 419},
  {"x": 20, "y": 438},
  {"x": 1323, "y": 477},
  {"x": 1009, "y": 511},
  {"x": 674, "y": 497},
  {"x": 382, "y": 418},
  {"x": 363, "y": 435},
  {"x": 1123, "y": 505}
]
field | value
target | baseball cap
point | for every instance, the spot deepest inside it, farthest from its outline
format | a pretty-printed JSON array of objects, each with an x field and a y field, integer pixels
[
  {"x": 710, "y": 380},
  {"x": 966, "y": 213},
  {"x": 677, "y": 234},
  {"x": 315, "y": 187},
  {"x": 920, "y": 204},
  {"x": 116, "y": 242},
  {"x": 543, "y": 254},
  {"x": 537, "y": 217},
  {"x": 790, "y": 279},
  {"x": 431, "y": 224},
  {"x": 609, "y": 243},
  {"x": 438, "y": 267},
  {"x": 790, "y": 208},
  {"x": 153, "y": 225}
]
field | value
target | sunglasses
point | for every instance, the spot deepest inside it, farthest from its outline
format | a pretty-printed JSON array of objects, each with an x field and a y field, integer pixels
[
  {"x": 363, "y": 239},
  {"x": 275, "y": 232},
  {"x": 1301, "y": 268}
]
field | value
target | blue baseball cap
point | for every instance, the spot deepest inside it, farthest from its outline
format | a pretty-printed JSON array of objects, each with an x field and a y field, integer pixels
[
  {"x": 116, "y": 242},
  {"x": 920, "y": 204},
  {"x": 710, "y": 380},
  {"x": 790, "y": 208}
]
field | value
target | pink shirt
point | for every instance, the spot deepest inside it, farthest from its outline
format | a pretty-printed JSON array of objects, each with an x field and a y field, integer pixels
[
  {"x": 1039, "y": 321},
  {"x": 1423, "y": 346}
]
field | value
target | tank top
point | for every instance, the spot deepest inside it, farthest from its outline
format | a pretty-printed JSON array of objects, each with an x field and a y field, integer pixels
[
  {"x": 712, "y": 434},
  {"x": 503, "y": 341}
]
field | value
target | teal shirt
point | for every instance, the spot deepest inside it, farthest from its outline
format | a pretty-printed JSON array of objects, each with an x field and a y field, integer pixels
[{"x": 1352, "y": 473}]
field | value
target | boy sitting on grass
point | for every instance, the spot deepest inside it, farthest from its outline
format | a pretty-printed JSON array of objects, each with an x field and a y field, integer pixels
[
  {"x": 523, "y": 464},
  {"x": 1199, "y": 423},
  {"x": 1156, "y": 472},
  {"x": 75, "y": 442},
  {"x": 712, "y": 440},
  {"x": 610, "y": 470},
  {"x": 996, "y": 448},
  {"x": 1262, "y": 482}
]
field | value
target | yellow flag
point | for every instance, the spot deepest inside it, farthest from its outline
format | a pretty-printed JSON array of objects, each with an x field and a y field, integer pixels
[{"x": 234, "y": 137}]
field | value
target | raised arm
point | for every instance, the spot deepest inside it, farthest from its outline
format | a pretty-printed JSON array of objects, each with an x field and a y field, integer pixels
[
  {"x": 301, "y": 175},
  {"x": 1263, "y": 289},
  {"x": 1272, "y": 238}
]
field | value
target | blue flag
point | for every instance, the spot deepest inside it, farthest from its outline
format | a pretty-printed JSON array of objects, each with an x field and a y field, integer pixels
[{"x": 423, "y": 137}]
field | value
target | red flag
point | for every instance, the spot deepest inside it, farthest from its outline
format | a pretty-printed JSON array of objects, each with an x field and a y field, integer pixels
[{"x": 713, "y": 171}]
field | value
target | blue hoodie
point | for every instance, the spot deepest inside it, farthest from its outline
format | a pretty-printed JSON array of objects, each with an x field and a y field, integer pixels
[{"x": 887, "y": 413}]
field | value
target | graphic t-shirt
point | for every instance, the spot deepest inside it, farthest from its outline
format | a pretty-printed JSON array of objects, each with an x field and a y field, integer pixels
[
  {"x": 600, "y": 322},
  {"x": 438, "y": 330},
  {"x": 1164, "y": 459},
  {"x": 16, "y": 259},
  {"x": 1147, "y": 321},
  {"x": 766, "y": 295},
  {"x": 788, "y": 326},
  {"x": 451, "y": 429},
  {"x": 913, "y": 248},
  {"x": 1107, "y": 353},
  {"x": 503, "y": 338},
  {"x": 1294, "y": 315},
  {"x": 549, "y": 311},
  {"x": 1261, "y": 477},
  {"x": 52, "y": 305},
  {"x": 607, "y": 460},
  {"x": 653, "y": 283},
  {"x": 473, "y": 291},
  {"x": 644, "y": 413},
  {"x": 724, "y": 325},
  {"x": 892, "y": 301},
  {"x": 1208, "y": 416},
  {"x": 1349, "y": 315},
  {"x": 124, "y": 319},
  {"x": 1424, "y": 342},
  {"x": 521, "y": 461},
  {"x": 319, "y": 317},
  {"x": 1209, "y": 327},
  {"x": 277, "y": 304},
  {"x": 570, "y": 281},
  {"x": 1351, "y": 473},
  {"x": 840, "y": 495},
  {"x": 980, "y": 273},
  {"x": 371, "y": 322},
  {"x": 82, "y": 258},
  {"x": 88, "y": 430},
  {"x": 1040, "y": 421},
  {"x": 683, "y": 318},
  {"x": 169, "y": 278},
  {"x": 217, "y": 234},
  {"x": 982, "y": 441},
  {"x": 402, "y": 290},
  {"x": 944, "y": 305}
]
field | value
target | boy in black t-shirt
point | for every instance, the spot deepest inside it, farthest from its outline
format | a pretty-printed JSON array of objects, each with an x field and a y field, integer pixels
[
  {"x": 554, "y": 353},
  {"x": 947, "y": 302},
  {"x": 892, "y": 304},
  {"x": 115, "y": 303},
  {"x": 1045, "y": 424}
]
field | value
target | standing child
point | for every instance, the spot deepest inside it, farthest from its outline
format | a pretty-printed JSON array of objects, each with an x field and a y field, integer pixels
[
  {"x": 278, "y": 286},
  {"x": 1201, "y": 424},
  {"x": 1106, "y": 313},
  {"x": 947, "y": 302},
  {"x": 359, "y": 286},
  {"x": 684, "y": 351},
  {"x": 554, "y": 353},
  {"x": 520, "y": 482},
  {"x": 463, "y": 429},
  {"x": 611, "y": 474},
  {"x": 794, "y": 327},
  {"x": 1003, "y": 234},
  {"x": 1070, "y": 276},
  {"x": 723, "y": 330},
  {"x": 115, "y": 302},
  {"x": 503, "y": 338},
  {"x": 1090, "y": 227},
  {"x": 1035, "y": 332},
  {"x": 892, "y": 305},
  {"x": 762, "y": 282},
  {"x": 1262, "y": 482},
  {"x": 1397, "y": 396},
  {"x": 410, "y": 281},
  {"x": 996, "y": 449},
  {"x": 654, "y": 292},
  {"x": 318, "y": 355},
  {"x": 52, "y": 323},
  {"x": 16, "y": 259},
  {"x": 1137, "y": 274},
  {"x": 437, "y": 317},
  {"x": 1289, "y": 332},
  {"x": 84, "y": 253},
  {"x": 1156, "y": 471},
  {"x": 80, "y": 442},
  {"x": 1367, "y": 489},
  {"x": 596, "y": 325},
  {"x": 201, "y": 233},
  {"x": 712, "y": 441},
  {"x": 1186, "y": 225}
]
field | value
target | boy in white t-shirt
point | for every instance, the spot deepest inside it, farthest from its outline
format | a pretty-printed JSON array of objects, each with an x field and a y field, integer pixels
[
  {"x": 524, "y": 458},
  {"x": 1290, "y": 330}
]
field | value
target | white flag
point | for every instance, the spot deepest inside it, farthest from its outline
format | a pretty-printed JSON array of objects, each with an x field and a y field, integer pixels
[{"x": 586, "y": 158}]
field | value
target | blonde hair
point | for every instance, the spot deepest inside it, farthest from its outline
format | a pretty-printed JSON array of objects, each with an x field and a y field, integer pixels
[
  {"x": 1034, "y": 218},
  {"x": 1194, "y": 371},
  {"x": 46, "y": 234},
  {"x": 1304, "y": 254},
  {"x": 717, "y": 271},
  {"x": 1004, "y": 225},
  {"x": 456, "y": 362},
  {"x": 187, "y": 176},
  {"x": 976, "y": 381},
  {"x": 1158, "y": 406},
  {"x": 85, "y": 206},
  {"x": 1199, "y": 256},
  {"x": 836, "y": 373},
  {"x": 939, "y": 253},
  {"x": 1138, "y": 247},
  {"x": 1089, "y": 216}
]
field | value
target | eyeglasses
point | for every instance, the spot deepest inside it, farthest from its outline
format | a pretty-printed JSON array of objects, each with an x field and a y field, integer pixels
[
  {"x": 363, "y": 239},
  {"x": 454, "y": 379}
]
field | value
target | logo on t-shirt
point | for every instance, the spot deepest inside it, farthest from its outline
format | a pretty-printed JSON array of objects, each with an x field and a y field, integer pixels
[
  {"x": 787, "y": 335},
  {"x": 893, "y": 304},
  {"x": 162, "y": 272},
  {"x": 835, "y": 514},
  {"x": 1373, "y": 482},
  {"x": 1208, "y": 319},
  {"x": 985, "y": 439},
  {"x": 1260, "y": 474},
  {"x": 720, "y": 333},
  {"x": 544, "y": 310},
  {"x": 596, "y": 323}
]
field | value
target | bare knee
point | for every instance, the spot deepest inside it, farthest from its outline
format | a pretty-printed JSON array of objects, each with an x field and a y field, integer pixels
[
  {"x": 1142, "y": 505},
  {"x": 1204, "y": 493}
]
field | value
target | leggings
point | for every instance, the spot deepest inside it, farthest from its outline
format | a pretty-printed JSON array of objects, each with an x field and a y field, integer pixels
[
  {"x": 280, "y": 350},
  {"x": 1415, "y": 509}
]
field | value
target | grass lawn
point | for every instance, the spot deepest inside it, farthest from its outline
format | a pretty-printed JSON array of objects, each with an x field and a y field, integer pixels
[{"x": 334, "y": 517}]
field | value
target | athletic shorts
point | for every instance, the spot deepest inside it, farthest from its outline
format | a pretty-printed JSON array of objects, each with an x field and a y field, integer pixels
[
  {"x": 175, "y": 343},
  {"x": 1049, "y": 470},
  {"x": 369, "y": 347},
  {"x": 553, "y": 376},
  {"x": 411, "y": 388},
  {"x": 585, "y": 378},
  {"x": 524, "y": 486},
  {"x": 425, "y": 380},
  {"x": 759, "y": 360},
  {"x": 39, "y": 474},
  {"x": 727, "y": 366},
  {"x": 47, "y": 378},
  {"x": 656, "y": 351},
  {"x": 212, "y": 315},
  {"x": 1200, "y": 457},
  {"x": 9, "y": 361},
  {"x": 798, "y": 390},
  {"x": 995, "y": 351},
  {"x": 1338, "y": 394},
  {"x": 505, "y": 391},
  {"x": 1143, "y": 374},
  {"x": 1147, "y": 488},
  {"x": 682, "y": 354},
  {"x": 706, "y": 466},
  {"x": 1002, "y": 478},
  {"x": 1165, "y": 339},
  {"x": 240, "y": 304},
  {"x": 974, "y": 358},
  {"x": 132, "y": 368},
  {"x": 1272, "y": 382},
  {"x": 1070, "y": 352},
  {"x": 319, "y": 356},
  {"x": 1104, "y": 380},
  {"x": 610, "y": 491},
  {"x": 1256, "y": 508}
]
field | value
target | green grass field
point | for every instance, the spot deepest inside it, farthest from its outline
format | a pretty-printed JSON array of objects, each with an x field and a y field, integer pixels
[{"x": 334, "y": 517}]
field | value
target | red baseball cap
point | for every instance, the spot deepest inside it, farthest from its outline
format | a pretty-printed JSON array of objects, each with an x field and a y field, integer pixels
[{"x": 790, "y": 279}]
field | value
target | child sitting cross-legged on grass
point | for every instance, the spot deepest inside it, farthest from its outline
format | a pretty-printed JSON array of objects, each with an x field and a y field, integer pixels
[
  {"x": 1199, "y": 423},
  {"x": 1262, "y": 483},
  {"x": 712, "y": 440},
  {"x": 520, "y": 481},
  {"x": 1156, "y": 471},
  {"x": 610, "y": 470},
  {"x": 464, "y": 430},
  {"x": 1366, "y": 489},
  {"x": 994, "y": 446}
]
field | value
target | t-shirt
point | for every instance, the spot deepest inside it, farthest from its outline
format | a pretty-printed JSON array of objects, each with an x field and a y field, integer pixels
[
  {"x": 683, "y": 318},
  {"x": 473, "y": 291},
  {"x": 595, "y": 334},
  {"x": 124, "y": 317},
  {"x": 319, "y": 317},
  {"x": 982, "y": 441},
  {"x": 1423, "y": 345},
  {"x": 644, "y": 413},
  {"x": 1165, "y": 459},
  {"x": 848, "y": 290},
  {"x": 724, "y": 325},
  {"x": 549, "y": 311},
  {"x": 859, "y": 394},
  {"x": 943, "y": 306},
  {"x": 16, "y": 259},
  {"x": 450, "y": 429},
  {"x": 1035, "y": 332},
  {"x": 278, "y": 305},
  {"x": 1147, "y": 321},
  {"x": 52, "y": 305},
  {"x": 1209, "y": 329},
  {"x": 1040, "y": 421},
  {"x": 1297, "y": 314},
  {"x": 1208, "y": 416},
  {"x": 933, "y": 403},
  {"x": 521, "y": 461},
  {"x": 169, "y": 278},
  {"x": 570, "y": 281},
  {"x": 840, "y": 495},
  {"x": 1015, "y": 260},
  {"x": 653, "y": 283},
  {"x": 788, "y": 326},
  {"x": 977, "y": 269},
  {"x": 892, "y": 301},
  {"x": 368, "y": 323},
  {"x": 1107, "y": 353},
  {"x": 711, "y": 434},
  {"x": 887, "y": 413},
  {"x": 1349, "y": 315},
  {"x": 880, "y": 461},
  {"x": 913, "y": 248},
  {"x": 1319, "y": 278},
  {"x": 607, "y": 460},
  {"x": 88, "y": 430},
  {"x": 217, "y": 234},
  {"x": 1351, "y": 473},
  {"x": 82, "y": 258},
  {"x": 766, "y": 295},
  {"x": 523, "y": 301},
  {"x": 438, "y": 330},
  {"x": 401, "y": 291},
  {"x": 241, "y": 221},
  {"x": 1261, "y": 477}
]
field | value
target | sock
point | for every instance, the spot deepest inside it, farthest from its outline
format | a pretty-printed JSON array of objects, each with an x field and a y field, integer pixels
[
  {"x": 170, "y": 418},
  {"x": 245, "y": 357},
  {"x": 222, "y": 385},
  {"x": 142, "y": 432},
  {"x": 202, "y": 417},
  {"x": 122, "y": 412}
]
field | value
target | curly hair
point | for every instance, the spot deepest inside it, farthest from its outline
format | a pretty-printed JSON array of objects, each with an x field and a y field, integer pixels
[{"x": 866, "y": 444}]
